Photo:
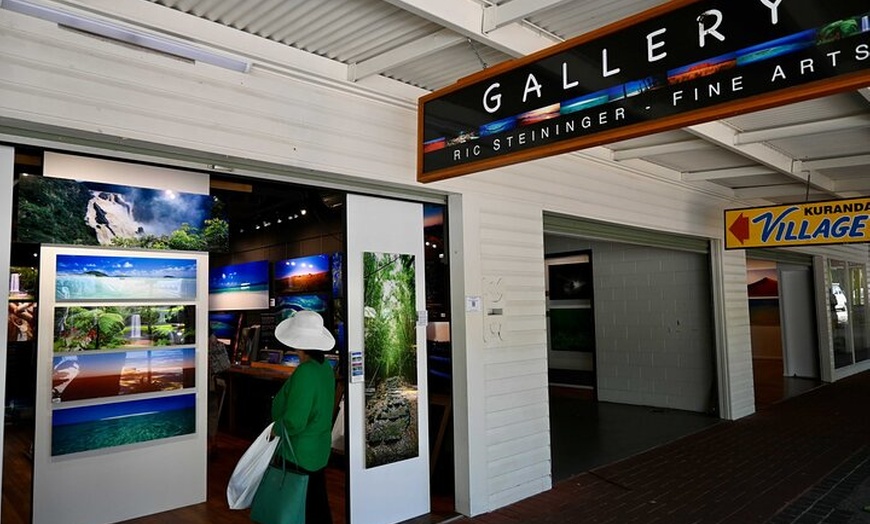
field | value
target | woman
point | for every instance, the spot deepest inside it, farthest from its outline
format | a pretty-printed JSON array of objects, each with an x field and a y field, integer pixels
[{"x": 304, "y": 406}]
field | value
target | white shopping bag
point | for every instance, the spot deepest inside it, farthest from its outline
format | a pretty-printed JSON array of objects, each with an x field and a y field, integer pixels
[{"x": 250, "y": 470}]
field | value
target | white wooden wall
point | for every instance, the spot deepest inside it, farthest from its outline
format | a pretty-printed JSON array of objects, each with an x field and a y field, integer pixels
[{"x": 299, "y": 111}]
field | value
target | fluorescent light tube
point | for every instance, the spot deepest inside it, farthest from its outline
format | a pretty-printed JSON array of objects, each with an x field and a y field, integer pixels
[{"x": 127, "y": 35}]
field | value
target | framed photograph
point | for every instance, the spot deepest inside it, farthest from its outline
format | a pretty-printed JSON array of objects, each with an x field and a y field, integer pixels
[
  {"x": 239, "y": 286},
  {"x": 389, "y": 317},
  {"x": 98, "y": 375},
  {"x": 80, "y": 328},
  {"x": 64, "y": 211},
  {"x": 570, "y": 278},
  {"x": 571, "y": 329},
  {"x": 303, "y": 275},
  {"x": 97, "y": 277},
  {"x": 88, "y": 428},
  {"x": 570, "y": 311}
]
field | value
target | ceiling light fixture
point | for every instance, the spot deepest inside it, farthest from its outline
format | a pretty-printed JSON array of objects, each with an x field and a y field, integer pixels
[{"x": 126, "y": 34}]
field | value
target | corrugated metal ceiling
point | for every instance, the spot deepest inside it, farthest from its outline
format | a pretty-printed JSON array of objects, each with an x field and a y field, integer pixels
[{"x": 357, "y": 31}]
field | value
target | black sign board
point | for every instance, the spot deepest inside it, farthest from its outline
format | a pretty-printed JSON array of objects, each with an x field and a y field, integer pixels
[{"x": 686, "y": 62}]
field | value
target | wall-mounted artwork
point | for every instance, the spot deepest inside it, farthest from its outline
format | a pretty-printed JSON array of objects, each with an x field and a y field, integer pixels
[
  {"x": 63, "y": 211},
  {"x": 337, "y": 275},
  {"x": 22, "y": 283},
  {"x": 286, "y": 306},
  {"x": 87, "y": 428},
  {"x": 22, "y": 322},
  {"x": 223, "y": 325},
  {"x": 79, "y": 328},
  {"x": 97, "y": 375},
  {"x": 303, "y": 275},
  {"x": 571, "y": 281},
  {"x": 94, "y": 277},
  {"x": 390, "y": 341},
  {"x": 239, "y": 286},
  {"x": 571, "y": 329}
]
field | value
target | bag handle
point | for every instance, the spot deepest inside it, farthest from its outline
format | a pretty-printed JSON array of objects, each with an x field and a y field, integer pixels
[{"x": 285, "y": 439}]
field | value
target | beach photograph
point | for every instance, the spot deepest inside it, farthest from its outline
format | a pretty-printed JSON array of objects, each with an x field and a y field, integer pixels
[
  {"x": 94, "y": 277},
  {"x": 303, "y": 275},
  {"x": 239, "y": 286},
  {"x": 97, "y": 375},
  {"x": 86, "y": 328},
  {"x": 87, "y": 428}
]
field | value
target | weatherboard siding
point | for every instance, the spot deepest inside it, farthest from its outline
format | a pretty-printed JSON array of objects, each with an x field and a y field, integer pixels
[{"x": 326, "y": 130}]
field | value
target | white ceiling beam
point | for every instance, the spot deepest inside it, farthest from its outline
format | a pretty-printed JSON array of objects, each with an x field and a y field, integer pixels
[
  {"x": 807, "y": 128},
  {"x": 720, "y": 174},
  {"x": 854, "y": 184},
  {"x": 865, "y": 92},
  {"x": 724, "y": 136},
  {"x": 837, "y": 162},
  {"x": 403, "y": 55},
  {"x": 660, "y": 149},
  {"x": 778, "y": 192},
  {"x": 495, "y": 16},
  {"x": 466, "y": 18}
]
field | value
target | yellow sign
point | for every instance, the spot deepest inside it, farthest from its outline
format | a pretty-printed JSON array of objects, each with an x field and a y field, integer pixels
[{"x": 833, "y": 222}]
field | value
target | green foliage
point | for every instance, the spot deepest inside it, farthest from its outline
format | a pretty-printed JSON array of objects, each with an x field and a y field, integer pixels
[
  {"x": 27, "y": 278},
  {"x": 51, "y": 209},
  {"x": 214, "y": 237},
  {"x": 390, "y": 316},
  {"x": 90, "y": 328}
]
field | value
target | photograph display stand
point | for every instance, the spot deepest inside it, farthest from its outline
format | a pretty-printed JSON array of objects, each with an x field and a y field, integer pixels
[
  {"x": 386, "y": 485},
  {"x": 123, "y": 351}
]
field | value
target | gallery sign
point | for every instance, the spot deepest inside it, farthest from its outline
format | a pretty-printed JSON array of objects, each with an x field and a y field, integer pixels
[
  {"x": 679, "y": 64},
  {"x": 832, "y": 222}
]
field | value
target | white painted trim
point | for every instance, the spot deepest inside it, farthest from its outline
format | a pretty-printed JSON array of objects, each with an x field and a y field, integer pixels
[{"x": 7, "y": 173}]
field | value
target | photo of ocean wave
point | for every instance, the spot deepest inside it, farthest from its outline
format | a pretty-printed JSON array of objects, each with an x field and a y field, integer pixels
[
  {"x": 107, "y": 277},
  {"x": 86, "y": 286},
  {"x": 89, "y": 428}
]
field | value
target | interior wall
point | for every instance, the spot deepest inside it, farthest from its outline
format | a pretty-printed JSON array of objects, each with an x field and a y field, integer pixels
[{"x": 653, "y": 324}]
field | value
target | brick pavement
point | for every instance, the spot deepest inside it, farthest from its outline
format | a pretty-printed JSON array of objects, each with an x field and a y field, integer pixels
[{"x": 753, "y": 470}]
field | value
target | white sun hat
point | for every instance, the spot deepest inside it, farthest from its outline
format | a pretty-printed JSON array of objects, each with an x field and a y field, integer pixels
[{"x": 305, "y": 330}]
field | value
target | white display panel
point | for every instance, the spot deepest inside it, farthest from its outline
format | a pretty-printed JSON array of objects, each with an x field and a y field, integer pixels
[
  {"x": 394, "y": 489},
  {"x": 77, "y": 167},
  {"x": 119, "y": 478}
]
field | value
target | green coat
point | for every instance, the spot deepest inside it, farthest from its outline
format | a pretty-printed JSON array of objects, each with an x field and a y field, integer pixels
[{"x": 304, "y": 405}]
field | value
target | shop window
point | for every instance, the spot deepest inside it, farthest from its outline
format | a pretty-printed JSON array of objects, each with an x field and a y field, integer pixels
[
  {"x": 850, "y": 318},
  {"x": 860, "y": 323}
]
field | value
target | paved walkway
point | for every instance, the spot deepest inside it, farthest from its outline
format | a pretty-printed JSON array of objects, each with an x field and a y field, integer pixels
[{"x": 803, "y": 460}]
